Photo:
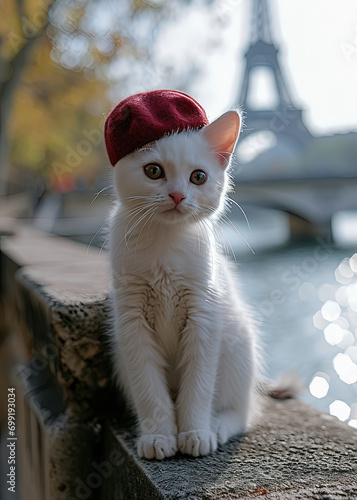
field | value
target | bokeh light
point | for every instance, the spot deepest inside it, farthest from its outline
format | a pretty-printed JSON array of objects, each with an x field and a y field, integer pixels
[
  {"x": 319, "y": 385},
  {"x": 319, "y": 321},
  {"x": 330, "y": 310},
  {"x": 333, "y": 334},
  {"x": 337, "y": 319},
  {"x": 353, "y": 263},
  {"x": 340, "y": 409},
  {"x": 345, "y": 368}
]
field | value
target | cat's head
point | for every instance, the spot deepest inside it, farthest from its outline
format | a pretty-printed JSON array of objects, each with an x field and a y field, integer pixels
[{"x": 182, "y": 176}]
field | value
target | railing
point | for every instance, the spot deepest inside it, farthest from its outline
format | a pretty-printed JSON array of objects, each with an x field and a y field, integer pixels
[{"x": 74, "y": 438}]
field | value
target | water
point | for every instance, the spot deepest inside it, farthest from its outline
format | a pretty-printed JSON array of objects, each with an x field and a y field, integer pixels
[{"x": 305, "y": 297}]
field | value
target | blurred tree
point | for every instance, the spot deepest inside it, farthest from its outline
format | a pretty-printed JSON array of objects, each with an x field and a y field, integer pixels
[
  {"x": 17, "y": 38},
  {"x": 59, "y": 61}
]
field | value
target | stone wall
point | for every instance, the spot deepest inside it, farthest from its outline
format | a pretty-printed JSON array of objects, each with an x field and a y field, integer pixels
[{"x": 75, "y": 439}]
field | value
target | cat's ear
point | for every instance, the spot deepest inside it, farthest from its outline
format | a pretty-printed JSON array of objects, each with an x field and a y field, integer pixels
[{"x": 222, "y": 135}]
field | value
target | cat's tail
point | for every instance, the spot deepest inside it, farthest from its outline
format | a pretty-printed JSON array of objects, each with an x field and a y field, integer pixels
[{"x": 287, "y": 386}]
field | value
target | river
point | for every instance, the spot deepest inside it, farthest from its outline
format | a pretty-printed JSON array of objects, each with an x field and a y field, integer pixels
[{"x": 305, "y": 296}]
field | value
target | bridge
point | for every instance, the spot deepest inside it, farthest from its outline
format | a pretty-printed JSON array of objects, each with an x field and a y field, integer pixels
[
  {"x": 311, "y": 202},
  {"x": 310, "y": 178}
]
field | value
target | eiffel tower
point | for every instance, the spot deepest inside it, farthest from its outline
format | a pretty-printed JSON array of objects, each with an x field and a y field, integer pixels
[{"x": 285, "y": 120}]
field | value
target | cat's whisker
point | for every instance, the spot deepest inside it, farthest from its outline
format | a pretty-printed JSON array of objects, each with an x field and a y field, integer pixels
[
  {"x": 241, "y": 209},
  {"x": 197, "y": 220},
  {"x": 212, "y": 244},
  {"x": 136, "y": 212},
  {"x": 147, "y": 238},
  {"x": 137, "y": 197},
  {"x": 226, "y": 241},
  {"x": 96, "y": 234},
  {"x": 230, "y": 224},
  {"x": 100, "y": 192},
  {"x": 135, "y": 209},
  {"x": 123, "y": 238},
  {"x": 105, "y": 224},
  {"x": 131, "y": 214},
  {"x": 223, "y": 238},
  {"x": 112, "y": 229},
  {"x": 148, "y": 214},
  {"x": 116, "y": 226},
  {"x": 219, "y": 232},
  {"x": 139, "y": 203},
  {"x": 204, "y": 228},
  {"x": 135, "y": 225},
  {"x": 225, "y": 219}
]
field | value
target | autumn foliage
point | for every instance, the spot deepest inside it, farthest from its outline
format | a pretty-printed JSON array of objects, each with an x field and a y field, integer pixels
[{"x": 56, "y": 72}]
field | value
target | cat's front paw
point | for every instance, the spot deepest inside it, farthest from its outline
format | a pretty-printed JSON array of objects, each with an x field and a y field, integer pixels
[
  {"x": 156, "y": 446},
  {"x": 197, "y": 443},
  {"x": 221, "y": 432}
]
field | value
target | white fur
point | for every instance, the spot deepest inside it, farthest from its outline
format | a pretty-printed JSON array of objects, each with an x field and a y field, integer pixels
[{"x": 184, "y": 343}]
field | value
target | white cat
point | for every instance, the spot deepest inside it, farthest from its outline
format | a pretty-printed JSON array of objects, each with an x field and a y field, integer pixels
[{"x": 184, "y": 343}]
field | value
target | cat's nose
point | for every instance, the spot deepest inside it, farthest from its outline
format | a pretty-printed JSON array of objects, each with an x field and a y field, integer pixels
[{"x": 177, "y": 197}]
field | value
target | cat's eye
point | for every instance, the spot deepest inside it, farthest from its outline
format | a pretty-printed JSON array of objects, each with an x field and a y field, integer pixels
[
  {"x": 198, "y": 177},
  {"x": 154, "y": 171}
]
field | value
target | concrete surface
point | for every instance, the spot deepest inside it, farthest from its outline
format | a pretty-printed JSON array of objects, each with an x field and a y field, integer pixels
[
  {"x": 294, "y": 453},
  {"x": 58, "y": 291}
]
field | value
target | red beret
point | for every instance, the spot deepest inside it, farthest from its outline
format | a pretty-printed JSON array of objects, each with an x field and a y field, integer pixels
[{"x": 146, "y": 117}]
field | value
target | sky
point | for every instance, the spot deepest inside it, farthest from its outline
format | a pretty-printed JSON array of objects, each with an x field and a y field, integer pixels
[{"x": 318, "y": 55}]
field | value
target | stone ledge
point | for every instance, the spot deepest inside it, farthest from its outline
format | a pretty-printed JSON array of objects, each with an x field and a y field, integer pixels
[
  {"x": 294, "y": 453},
  {"x": 72, "y": 300},
  {"x": 56, "y": 450},
  {"x": 54, "y": 294},
  {"x": 59, "y": 290},
  {"x": 26, "y": 245}
]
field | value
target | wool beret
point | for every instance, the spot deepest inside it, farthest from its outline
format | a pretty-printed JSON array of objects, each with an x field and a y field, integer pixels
[{"x": 147, "y": 117}]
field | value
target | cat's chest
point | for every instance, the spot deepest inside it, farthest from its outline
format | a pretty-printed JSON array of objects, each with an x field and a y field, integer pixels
[
  {"x": 166, "y": 308},
  {"x": 164, "y": 273}
]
